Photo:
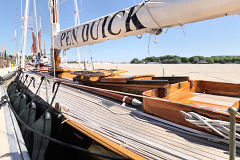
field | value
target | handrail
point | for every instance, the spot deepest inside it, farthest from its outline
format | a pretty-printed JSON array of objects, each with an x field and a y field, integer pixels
[{"x": 232, "y": 137}]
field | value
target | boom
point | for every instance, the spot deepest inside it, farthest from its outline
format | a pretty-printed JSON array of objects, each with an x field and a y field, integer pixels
[{"x": 148, "y": 17}]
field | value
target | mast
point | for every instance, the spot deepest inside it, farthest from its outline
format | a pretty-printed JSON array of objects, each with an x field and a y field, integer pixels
[
  {"x": 36, "y": 26},
  {"x": 16, "y": 51},
  {"x": 40, "y": 37},
  {"x": 45, "y": 52},
  {"x": 84, "y": 56},
  {"x": 77, "y": 22},
  {"x": 25, "y": 33},
  {"x": 55, "y": 29},
  {"x": 21, "y": 8}
]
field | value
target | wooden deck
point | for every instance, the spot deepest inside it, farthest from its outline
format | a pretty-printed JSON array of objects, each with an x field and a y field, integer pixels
[
  {"x": 12, "y": 145},
  {"x": 131, "y": 132}
]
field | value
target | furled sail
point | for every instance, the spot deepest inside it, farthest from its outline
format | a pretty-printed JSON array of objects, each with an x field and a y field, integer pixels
[
  {"x": 34, "y": 45},
  {"x": 39, "y": 42},
  {"x": 148, "y": 17}
]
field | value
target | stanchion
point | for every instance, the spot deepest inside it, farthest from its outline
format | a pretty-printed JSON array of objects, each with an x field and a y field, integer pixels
[{"x": 232, "y": 139}]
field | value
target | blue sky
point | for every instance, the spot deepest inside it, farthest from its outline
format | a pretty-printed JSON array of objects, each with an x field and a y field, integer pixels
[{"x": 207, "y": 38}]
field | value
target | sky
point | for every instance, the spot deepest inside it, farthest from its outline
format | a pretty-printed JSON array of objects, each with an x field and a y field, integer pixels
[{"x": 219, "y": 36}]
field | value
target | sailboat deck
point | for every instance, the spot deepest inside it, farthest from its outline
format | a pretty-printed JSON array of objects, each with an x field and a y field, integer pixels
[{"x": 145, "y": 135}]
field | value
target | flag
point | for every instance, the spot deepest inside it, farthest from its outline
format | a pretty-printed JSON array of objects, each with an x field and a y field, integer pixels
[
  {"x": 3, "y": 49},
  {"x": 4, "y": 52}
]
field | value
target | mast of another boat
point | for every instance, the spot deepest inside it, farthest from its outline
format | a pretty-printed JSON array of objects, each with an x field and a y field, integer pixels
[
  {"x": 45, "y": 52},
  {"x": 17, "y": 56},
  {"x": 25, "y": 33},
  {"x": 77, "y": 22},
  {"x": 40, "y": 36},
  {"x": 16, "y": 50},
  {"x": 55, "y": 61},
  {"x": 36, "y": 25}
]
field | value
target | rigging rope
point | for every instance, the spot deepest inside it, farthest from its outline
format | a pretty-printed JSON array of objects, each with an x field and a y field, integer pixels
[
  {"x": 149, "y": 41},
  {"x": 218, "y": 126}
]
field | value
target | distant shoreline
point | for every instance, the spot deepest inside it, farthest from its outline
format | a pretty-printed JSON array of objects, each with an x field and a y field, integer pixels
[
  {"x": 174, "y": 59},
  {"x": 148, "y": 63}
]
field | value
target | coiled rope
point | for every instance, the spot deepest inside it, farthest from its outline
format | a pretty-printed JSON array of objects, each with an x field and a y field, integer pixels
[{"x": 218, "y": 126}]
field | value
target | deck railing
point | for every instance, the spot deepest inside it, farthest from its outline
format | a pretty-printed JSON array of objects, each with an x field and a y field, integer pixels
[{"x": 232, "y": 136}]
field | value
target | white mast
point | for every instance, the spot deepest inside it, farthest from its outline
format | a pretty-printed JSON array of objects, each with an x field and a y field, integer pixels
[
  {"x": 21, "y": 8},
  {"x": 148, "y": 17},
  {"x": 21, "y": 40},
  {"x": 25, "y": 33},
  {"x": 84, "y": 56},
  {"x": 41, "y": 35},
  {"x": 16, "y": 51},
  {"x": 77, "y": 22},
  {"x": 21, "y": 43},
  {"x": 77, "y": 19},
  {"x": 55, "y": 28}
]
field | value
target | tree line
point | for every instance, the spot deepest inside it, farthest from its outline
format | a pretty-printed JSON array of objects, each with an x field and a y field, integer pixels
[{"x": 173, "y": 59}]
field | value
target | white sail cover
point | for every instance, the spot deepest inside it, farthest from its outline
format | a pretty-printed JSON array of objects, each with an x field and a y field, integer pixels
[{"x": 150, "y": 16}]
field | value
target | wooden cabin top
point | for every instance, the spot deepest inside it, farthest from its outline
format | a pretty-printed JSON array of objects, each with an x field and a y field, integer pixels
[
  {"x": 96, "y": 74},
  {"x": 126, "y": 78}
]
